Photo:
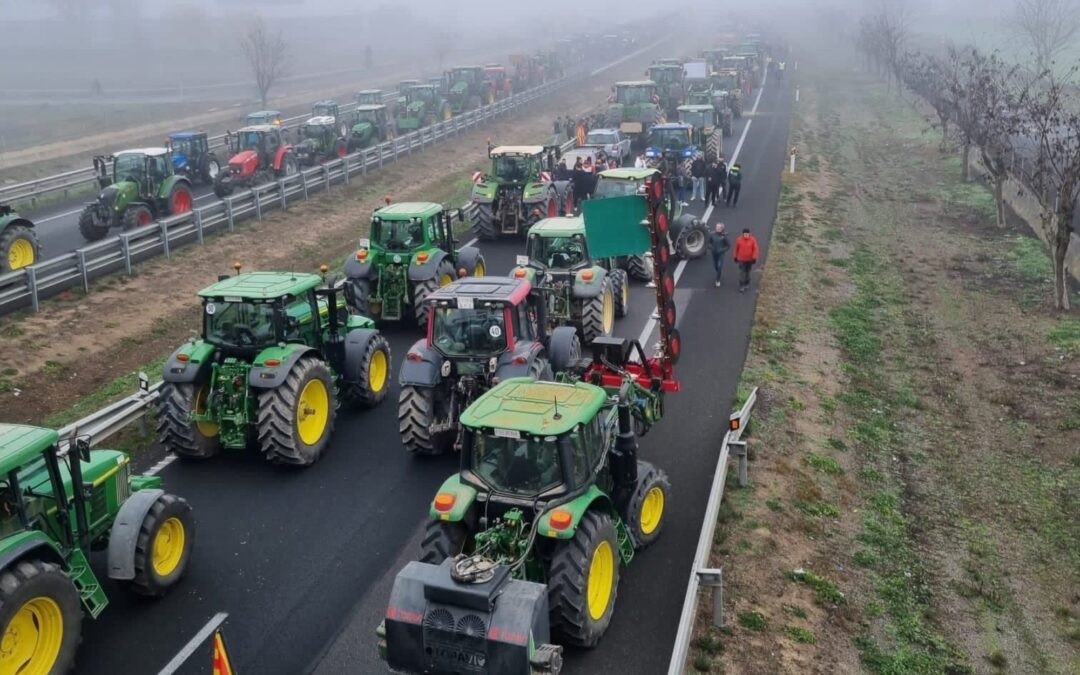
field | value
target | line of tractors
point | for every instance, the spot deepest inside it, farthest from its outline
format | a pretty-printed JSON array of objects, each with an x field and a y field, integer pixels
[{"x": 520, "y": 375}]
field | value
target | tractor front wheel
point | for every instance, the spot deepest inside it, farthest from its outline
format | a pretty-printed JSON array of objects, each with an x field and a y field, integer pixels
[
  {"x": 296, "y": 419},
  {"x": 442, "y": 540},
  {"x": 209, "y": 169},
  {"x": 416, "y": 414},
  {"x": 40, "y": 618},
  {"x": 692, "y": 238},
  {"x": 89, "y": 227},
  {"x": 484, "y": 219},
  {"x": 598, "y": 314},
  {"x": 223, "y": 187},
  {"x": 583, "y": 581},
  {"x": 640, "y": 267},
  {"x": 620, "y": 289},
  {"x": 374, "y": 380},
  {"x": 176, "y": 431},
  {"x": 648, "y": 505},
  {"x": 163, "y": 549},
  {"x": 444, "y": 276},
  {"x": 137, "y": 216},
  {"x": 19, "y": 248},
  {"x": 289, "y": 166}
]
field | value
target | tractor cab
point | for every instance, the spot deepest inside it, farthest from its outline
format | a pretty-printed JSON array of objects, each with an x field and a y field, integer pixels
[
  {"x": 727, "y": 79},
  {"x": 192, "y": 157},
  {"x": 665, "y": 74},
  {"x": 671, "y": 141},
  {"x": 272, "y": 117},
  {"x": 476, "y": 318},
  {"x": 715, "y": 56},
  {"x": 372, "y": 114},
  {"x": 405, "y": 85},
  {"x": 409, "y": 227},
  {"x": 520, "y": 164},
  {"x": 262, "y": 140},
  {"x": 317, "y": 128},
  {"x": 702, "y": 118},
  {"x": 327, "y": 108},
  {"x": 472, "y": 75},
  {"x": 635, "y": 93},
  {"x": 558, "y": 244},
  {"x": 495, "y": 78},
  {"x": 145, "y": 170},
  {"x": 369, "y": 97},
  {"x": 737, "y": 63},
  {"x": 699, "y": 93},
  {"x": 622, "y": 182},
  {"x": 421, "y": 93}
]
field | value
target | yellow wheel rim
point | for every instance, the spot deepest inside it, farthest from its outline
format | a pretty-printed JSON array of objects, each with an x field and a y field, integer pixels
[
  {"x": 312, "y": 412},
  {"x": 479, "y": 270},
  {"x": 652, "y": 509},
  {"x": 377, "y": 371},
  {"x": 609, "y": 311},
  {"x": 32, "y": 639},
  {"x": 445, "y": 280},
  {"x": 601, "y": 578},
  {"x": 168, "y": 547},
  {"x": 21, "y": 254},
  {"x": 207, "y": 429}
]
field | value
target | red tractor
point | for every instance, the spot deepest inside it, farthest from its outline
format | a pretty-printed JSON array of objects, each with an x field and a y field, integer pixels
[
  {"x": 496, "y": 78},
  {"x": 260, "y": 154}
]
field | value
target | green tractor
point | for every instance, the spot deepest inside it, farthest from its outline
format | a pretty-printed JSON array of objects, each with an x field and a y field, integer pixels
[
  {"x": 684, "y": 231},
  {"x": 409, "y": 255},
  {"x": 727, "y": 87},
  {"x": 371, "y": 125},
  {"x": 634, "y": 107},
  {"x": 577, "y": 290},
  {"x": 706, "y": 132},
  {"x": 142, "y": 189},
  {"x": 277, "y": 354},
  {"x": 319, "y": 141},
  {"x": 703, "y": 93},
  {"x": 371, "y": 97},
  {"x": 272, "y": 117},
  {"x": 670, "y": 85},
  {"x": 19, "y": 245},
  {"x": 60, "y": 502},
  {"x": 517, "y": 192},
  {"x": 424, "y": 105},
  {"x": 330, "y": 108},
  {"x": 467, "y": 89}
]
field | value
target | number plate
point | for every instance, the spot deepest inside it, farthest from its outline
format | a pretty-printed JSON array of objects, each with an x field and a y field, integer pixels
[
  {"x": 507, "y": 433},
  {"x": 522, "y": 260},
  {"x": 365, "y": 243}
]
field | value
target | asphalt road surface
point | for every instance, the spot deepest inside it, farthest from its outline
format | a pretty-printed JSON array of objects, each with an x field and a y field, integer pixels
[{"x": 303, "y": 560}]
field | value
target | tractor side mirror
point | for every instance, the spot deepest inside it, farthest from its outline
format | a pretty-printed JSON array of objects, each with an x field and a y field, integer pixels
[{"x": 82, "y": 445}]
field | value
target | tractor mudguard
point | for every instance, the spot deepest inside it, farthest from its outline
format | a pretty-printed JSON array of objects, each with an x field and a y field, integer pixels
[
  {"x": 355, "y": 269},
  {"x": 422, "y": 373},
  {"x": 356, "y": 321},
  {"x": 422, "y": 271},
  {"x": 356, "y": 344},
  {"x": 528, "y": 273},
  {"x": 467, "y": 256},
  {"x": 577, "y": 508},
  {"x": 124, "y": 535},
  {"x": 168, "y": 183},
  {"x": 507, "y": 368},
  {"x": 26, "y": 542},
  {"x": 683, "y": 220},
  {"x": 262, "y": 376},
  {"x": 15, "y": 222},
  {"x": 484, "y": 193},
  {"x": 195, "y": 367},
  {"x": 534, "y": 193},
  {"x": 279, "y": 156},
  {"x": 583, "y": 288},
  {"x": 464, "y": 496}
]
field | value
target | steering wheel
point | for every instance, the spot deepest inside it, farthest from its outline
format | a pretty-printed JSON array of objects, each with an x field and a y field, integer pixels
[{"x": 243, "y": 334}]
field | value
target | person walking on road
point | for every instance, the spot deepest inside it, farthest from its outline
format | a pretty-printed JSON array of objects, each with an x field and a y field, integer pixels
[
  {"x": 697, "y": 176},
  {"x": 714, "y": 179},
  {"x": 780, "y": 71},
  {"x": 558, "y": 131},
  {"x": 580, "y": 132},
  {"x": 746, "y": 254},
  {"x": 734, "y": 185},
  {"x": 718, "y": 242}
]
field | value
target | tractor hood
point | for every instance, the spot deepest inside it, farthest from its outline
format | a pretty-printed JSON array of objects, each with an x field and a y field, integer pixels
[
  {"x": 244, "y": 162},
  {"x": 179, "y": 162},
  {"x": 118, "y": 195},
  {"x": 459, "y": 88},
  {"x": 362, "y": 129},
  {"x": 416, "y": 107}
]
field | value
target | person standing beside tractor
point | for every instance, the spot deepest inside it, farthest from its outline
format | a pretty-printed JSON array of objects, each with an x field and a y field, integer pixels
[
  {"x": 746, "y": 254},
  {"x": 714, "y": 179},
  {"x": 718, "y": 242},
  {"x": 697, "y": 176},
  {"x": 734, "y": 179}
]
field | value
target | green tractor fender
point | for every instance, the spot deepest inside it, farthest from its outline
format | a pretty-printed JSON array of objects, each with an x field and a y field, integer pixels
[
  {"x": 189, "y": 363},
  {"x": 526, "y": 272},
  {"x": 124, "y": 536},
  {"x": 534, "y": 193},
  {"x": 362, "y": 131},
  {"x": 463, "y": 495},
  {"x": 576, "y": 507},
  {"x": 484, "y": 192},
  {"x": 356, "y": 346},
  {"x": 589, "y": 288},
  {"x": 422, "y": 271},
  {"x": 119, "y": 196},
  {"x": 356, "y": 321},
  {"x": 263, "y": 376},
  {"x": 27, "y": 542},
  {"x": 167, "y": 185}
]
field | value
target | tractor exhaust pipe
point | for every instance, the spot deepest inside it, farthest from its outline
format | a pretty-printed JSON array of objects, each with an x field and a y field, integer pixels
[{"x": 624, "y": 455}]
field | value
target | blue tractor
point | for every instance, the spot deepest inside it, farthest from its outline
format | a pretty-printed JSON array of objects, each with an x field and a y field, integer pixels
[
  {"x": 670, "y": 148},
  {"x": 192, "y": 157}
]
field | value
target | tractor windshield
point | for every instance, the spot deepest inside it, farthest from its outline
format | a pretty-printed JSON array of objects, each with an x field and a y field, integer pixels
[
  {"x": 558, "y": 252},
  {"x": 513, "y": 168},
  {"x": 613, "y": 187},
  {"x": 698, "y": 118},
  {"x": 367, "y": 116},
  {"x": 129, "y": 167},
  {"x": 398, "y": 235},
  {"x": 315, "y": 131},
  {"x": 669, "y": 139},
  {"x": 182, "y": 146},
  {"x": 633, "y": 95},
  {"x": 240, "y": 324},
  {"x": 324, "y": 111},
  {"x": 523, "y": 466},
  {"x": 250, "y": 140},
  {"x": 469, "y": 332},
  {"x": 661, "y": 75},
  {"x": 725, "y": 82}
]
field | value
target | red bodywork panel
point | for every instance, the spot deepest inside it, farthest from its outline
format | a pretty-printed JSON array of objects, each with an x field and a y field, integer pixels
[
  {"x": 612, "y": 379},
  {"x": 244, "y": 163},
  {"x": 279, "y": 156}
]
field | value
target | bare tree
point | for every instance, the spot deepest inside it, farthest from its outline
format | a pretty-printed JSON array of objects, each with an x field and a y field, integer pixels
[
  {"x": 929, "y": 77},
  {"x": 267, "y": 54},
  {"x": 965, "y": 116},
  {"x": 1048, "y": 27}
]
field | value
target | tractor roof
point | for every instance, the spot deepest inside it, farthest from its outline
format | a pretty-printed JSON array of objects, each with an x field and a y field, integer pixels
[
  {"x": 369, "y": 106},
  {"x": 261, "y": 128},
  {"x": 21, "y": 444},
  {"x": 667, "y": 66},
  {"x": 502, "y": 290},
  {"x": 326, "y": 102},
  {"x": 694, "y": 107},
  {"x": 468, "y": 68},
  {"x": 517, "y": 150},
  {"x": 636, "y": 83},
  {"x": 262, "y": 285},
  {"x": 369, "y": 92},
  {"x": 407, "y": 210},
  {"x": 629, "y": 173},
  {"x": 265, "y": 113},
  {"x": 321, "y": 121},
  {"x": 535, "y": 408},
  {"x": 152, "y": 152},
  {"x": 672, "y": 125},
  {"x": 185, "y": 135},
  {"x": 565, "y": 226}
]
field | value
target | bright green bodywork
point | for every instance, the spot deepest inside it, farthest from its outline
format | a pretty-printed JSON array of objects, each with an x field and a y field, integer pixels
[
  {"x": 466, "y": 88},
  {"x": 262, "y": 285},
  {"x": 370, "y": 124},
  {"x": 635, "y": 107},
  {"x": 536, "y": 408},
  {"x": 422, "y": 105},
  {"x": 533, "y": 189},
  {"x": 135, "y": 177}
]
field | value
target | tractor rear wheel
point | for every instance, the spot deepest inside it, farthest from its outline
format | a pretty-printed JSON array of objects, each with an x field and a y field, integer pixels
[
  {"x": 583, "y": 581},
  {"x": 19, "y": 248},
  {"x": 40, "y": 618},
  {"x": 358, "y": 292},
  {"x": 89, "y": 226},
  {"x": 180, "y": 199},
  {"x": 620, "y": 289},
  {"x": 564, "y": 347},
  {"x": 691, "y": 240},
  {"x": 598, "y": 314},
  {"x": 163, "y": 549},
  {"x": 374, "y": 380},
  {"x": 222, "y": 188},
  {"x": 209, "y": 168},
  {"x": 712, "y": 146},
  {"x": 289, "y": 166},
  {"x": 416, "y": 413},
  {"x": 442, "y": 540},
  {"x": 137, "y": 216},
  {"x": 640, "y": 267},
  {"x": 484, "y": 220},
  {"x": 176, "y": 431},
  {"x": 648, "y": 505},
  {"x": 444, "y": 276},
  {"x": 296, "y": 420}
]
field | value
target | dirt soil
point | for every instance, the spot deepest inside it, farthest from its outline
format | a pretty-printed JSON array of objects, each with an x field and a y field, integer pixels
[
  {"x": 915, "y": 497},
  {"x": 79, "y": 344}
]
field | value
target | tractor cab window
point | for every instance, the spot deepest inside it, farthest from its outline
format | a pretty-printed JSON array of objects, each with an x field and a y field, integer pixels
[
  {"x": 398, "y": 235},
  {"x": 523, "y": 466},
  {"x": 613, "y": 187},
  {"x": 469, "y": 332},
  {"x": 158, "y": 168},
  {"x": 366, "y": 116},
  {"x": 669, "y": 139},
  {"x": 524, "y": 323},
  {"x": 323, "y": 111},
  {"x": 633, "y": 95},
  {"x": 250, "y": 140},
  {"x": 558, "y": 252},
  {"x": 698, "y": 118},
  {"x": 513, "y": 168},
  {"x": 298, "y": 315},
  {"x": 272, "y": 143},
  {"x": 129, "y": 167},
  {"x": 240, "y": 324},
  {"x": 660, "y": 75},
  {"x": 182, "y": 146},
  {"x": 9, "y": 507}
]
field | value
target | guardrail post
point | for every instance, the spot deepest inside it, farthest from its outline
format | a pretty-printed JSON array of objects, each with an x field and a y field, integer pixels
[
  {"x": 345, "y": 168},
  {"x": 31, "y": 284},
  {"x": 125, "y": 246},
  {"x": 80, "y": 255},
  {"x": 197, "y": 215},
  {"x": 739, "y": 448},
  {"x": 229, "y": 212},
  {"x": 281, "y": 194},
  {"x": 363, "y": 162},
  {"x": 303, "y": 183},
  {"x": 714, "y": 579},
  {"x": 163, "y": 230},
  {"x": 258, "y": 203},
  {"x": 326, "y": 177}
]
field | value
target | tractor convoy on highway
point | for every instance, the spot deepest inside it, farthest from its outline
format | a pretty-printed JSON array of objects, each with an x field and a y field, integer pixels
[{"x": 521, "y": 375}]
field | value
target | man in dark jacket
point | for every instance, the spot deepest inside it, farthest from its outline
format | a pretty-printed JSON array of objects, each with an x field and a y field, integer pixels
[
  {"x": 697, "y": 176},
  {"x": 734, "y": 180},
  {"x": 718, "y": 242},
  {"x": 714, "y": 178}
]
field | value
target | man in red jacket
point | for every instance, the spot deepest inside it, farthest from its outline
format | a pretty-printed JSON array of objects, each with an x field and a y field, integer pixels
[{"x": 746, "y": 254}]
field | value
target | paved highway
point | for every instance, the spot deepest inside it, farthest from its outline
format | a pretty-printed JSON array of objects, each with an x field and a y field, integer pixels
[{"x": 303, "y": 560}]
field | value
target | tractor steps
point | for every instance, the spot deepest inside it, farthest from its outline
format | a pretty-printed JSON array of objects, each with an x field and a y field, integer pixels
[{"x": 86, "y": 583}]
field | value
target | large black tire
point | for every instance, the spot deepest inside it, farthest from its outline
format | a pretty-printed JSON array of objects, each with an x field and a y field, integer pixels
[
  {"x": 442, "y": 540},
  {"x": 484, "y": 221},
  {"x": 175, "y": 429},
  {"x": 692, "y": 239},
  {"x": 598, "y": 314},
  {"x": 374, "y": 380},
  {"x": 573, "y": 611},
  {"x": 444, "y": 276},
  {"x": 712, "y": 146},
  {"x": 222, "y": 188},
  {"x": 565, "y": 348},
  {"x": 648, "y": 505},
  {"x": 358, "y": 295},
  {"x": 540, "y": 369},
  {"x": 19, "y": 248},
  {"x": 137, "y": 216},
  {"x": 639, "y": 267},
  {"x": 24, "y": 588},
  {"x": 281, "y": 438},
  {"x": 620, "y": 289},
  {"x": 289, "y": 166},
  {"x": 89, "y": 227},
  {"x": 209, "y": 168},
  {"x": 416, "y": 412},
  {"x": 163, "y": 549}
]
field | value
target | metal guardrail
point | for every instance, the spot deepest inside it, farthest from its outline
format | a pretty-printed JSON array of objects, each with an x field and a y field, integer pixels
[
  {"x": 700, "y": 573},
  {"x": 26, "y": 286}
]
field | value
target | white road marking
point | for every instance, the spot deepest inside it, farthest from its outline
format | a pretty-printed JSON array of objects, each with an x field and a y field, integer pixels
[
  {"x": 470, "y": 242},
  {"x": 160, "y": 466},
  {"x": 194, "y": 644}
]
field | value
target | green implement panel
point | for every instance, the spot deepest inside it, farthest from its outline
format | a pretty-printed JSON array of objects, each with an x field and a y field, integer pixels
[{"x": 614, "y": 226}]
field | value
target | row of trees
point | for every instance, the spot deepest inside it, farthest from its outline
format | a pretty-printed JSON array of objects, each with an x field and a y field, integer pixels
[{"x": 1022, "y": 121}]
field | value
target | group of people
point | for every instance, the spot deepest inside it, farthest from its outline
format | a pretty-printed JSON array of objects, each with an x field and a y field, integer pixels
[
  {"x": 566, "y": 128},
  {"x": 708, "y": 181},
  {"x": 745, "y": 254},
  {"x": 582, "y": 176}
]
